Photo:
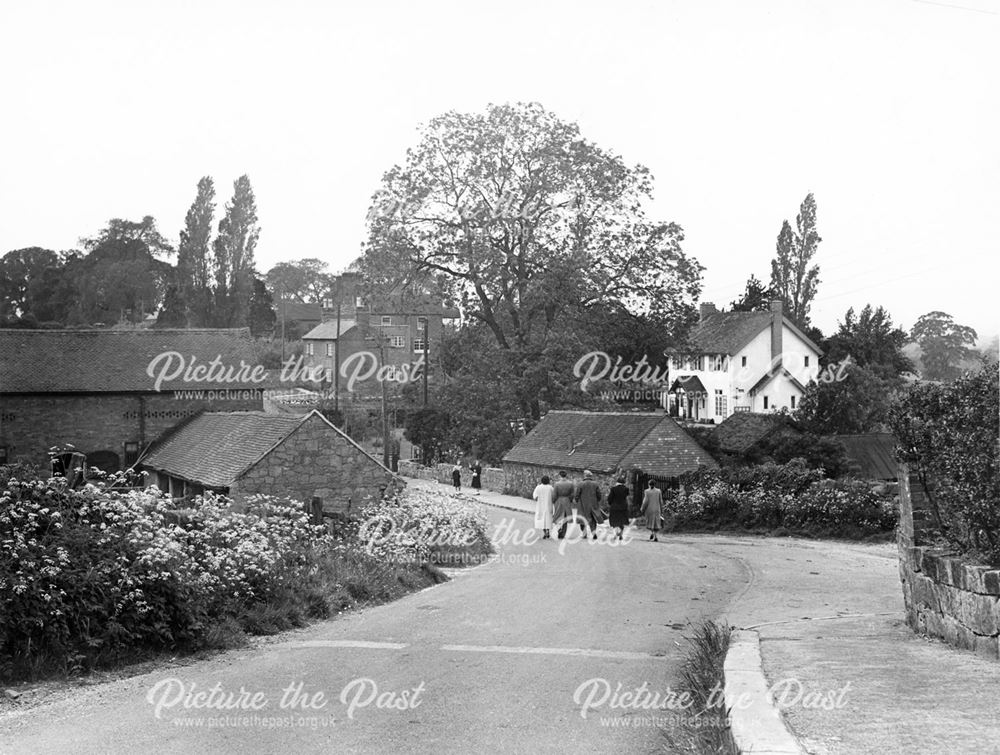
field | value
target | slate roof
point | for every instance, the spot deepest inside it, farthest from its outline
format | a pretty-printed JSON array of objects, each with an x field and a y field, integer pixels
[
  {"x": 728, "y": 332},
  {"x": 112, "y": 361},
  {"x": 214, "y": 448},
  {"x": 871, "y": 455},
  {"x": 327, "y": 331},
  {"x": 740, "y": 431},
  {"x": 605, "y": 441}
]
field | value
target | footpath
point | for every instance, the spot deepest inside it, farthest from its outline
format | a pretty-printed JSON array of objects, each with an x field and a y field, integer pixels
[{"x": 842, "y": 673}]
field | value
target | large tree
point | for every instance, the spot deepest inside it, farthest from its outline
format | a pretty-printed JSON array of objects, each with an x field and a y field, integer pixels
[
  {"x": 194, "y": 274},
  {"x": 857, "y": 403},
  {"x": 944, "y": 345},
  {"x": 793, "y": 275},
  {"x": 870, "y": 340},
  {"x": 234, "y": 255},
  {"x": 306, "y": 280},
  {"x": 20, "y": 269},
  {"x": 527, "y": 224}
]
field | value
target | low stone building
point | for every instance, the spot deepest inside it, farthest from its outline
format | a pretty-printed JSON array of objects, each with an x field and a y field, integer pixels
[
  {"x": 111, "y": 393},
  {"x": 245, "y": 453},
  {"x": 642, "y": 446}
]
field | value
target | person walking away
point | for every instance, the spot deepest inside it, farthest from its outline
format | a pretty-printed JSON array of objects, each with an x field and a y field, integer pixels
[
  {"x": 477, "y": 473},
  {"x": 589, "y": 497},
  {"x": 562, "y": 509},
  {"x": 456, "y": 477},
  {"x": 618, "y": 506},
  {"x": 652, "y": 502},
  {"x": 544, "y": 496}
]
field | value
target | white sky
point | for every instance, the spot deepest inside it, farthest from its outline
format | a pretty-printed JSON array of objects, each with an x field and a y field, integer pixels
[{"x": 886, "y": 109}]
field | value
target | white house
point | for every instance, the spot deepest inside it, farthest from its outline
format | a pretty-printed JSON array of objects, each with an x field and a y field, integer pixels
[{"x": 740, "y": 361}]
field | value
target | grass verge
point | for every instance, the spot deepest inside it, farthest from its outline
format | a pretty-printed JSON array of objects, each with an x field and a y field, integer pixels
[{"x": 704, "y": 729}]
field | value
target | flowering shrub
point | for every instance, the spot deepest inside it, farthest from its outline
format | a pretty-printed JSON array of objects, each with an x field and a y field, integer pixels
[
  {"x": 98, "y": 575},
  {"x": 780, "y": 495},
  {"x": 419, "y": 526}
]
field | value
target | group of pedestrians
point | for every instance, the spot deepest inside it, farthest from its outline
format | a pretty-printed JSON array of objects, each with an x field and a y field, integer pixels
[
  {"x": 477, "y": 476},
  {"x": 582, "y": 502}
]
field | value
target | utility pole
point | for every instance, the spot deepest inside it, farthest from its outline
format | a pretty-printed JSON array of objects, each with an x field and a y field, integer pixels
[
  {"x": 336, "y": 351},
  {"x": 284, "y": 316}
]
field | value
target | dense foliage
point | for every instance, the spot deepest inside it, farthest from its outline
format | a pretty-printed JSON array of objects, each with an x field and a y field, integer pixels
[
  {"x": 788, "y": 496},
  {"x": 949, "y": 434},
  {"x": 97, "y": 576}
]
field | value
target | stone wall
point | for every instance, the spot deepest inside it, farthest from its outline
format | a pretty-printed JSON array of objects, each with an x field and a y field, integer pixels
[
  {"x": 944, "y": 596},
  {"x": 492, "y": 478},
  {"x": 318, "y": 460},
  {"x": 31, "y": 424},
  {"x": 521, "y": 479}
]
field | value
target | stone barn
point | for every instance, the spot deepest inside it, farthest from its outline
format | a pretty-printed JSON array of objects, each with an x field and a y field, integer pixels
[
  {"x": 244, "y": 453},
  {"x": 640, "y": 445}
]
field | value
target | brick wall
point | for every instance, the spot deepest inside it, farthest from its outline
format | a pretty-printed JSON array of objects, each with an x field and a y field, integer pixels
[
  {"x": 316, "y": 460},
  {"x": 31, "y": 425},
  {"x": 944, "y": 596}
]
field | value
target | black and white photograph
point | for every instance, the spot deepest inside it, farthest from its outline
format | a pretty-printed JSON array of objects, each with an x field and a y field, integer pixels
[{"x": 520, "y": 377}]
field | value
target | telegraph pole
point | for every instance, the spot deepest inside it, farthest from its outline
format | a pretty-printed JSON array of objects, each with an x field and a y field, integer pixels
[
  {"x": 336, "y": 352},
  {"x": 427, "y": 322}
]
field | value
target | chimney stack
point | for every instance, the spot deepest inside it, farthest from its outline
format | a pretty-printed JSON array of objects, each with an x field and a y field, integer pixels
[
  {"x": 777, "y": 326},
  {"x": 705, "y": 309}
]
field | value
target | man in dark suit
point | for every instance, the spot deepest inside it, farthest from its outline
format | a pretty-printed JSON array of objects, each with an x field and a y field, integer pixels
[{"x": 588, "y": 496}]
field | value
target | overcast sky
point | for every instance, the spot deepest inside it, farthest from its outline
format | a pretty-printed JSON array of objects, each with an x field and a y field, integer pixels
[{"x": 887, "y": 110}]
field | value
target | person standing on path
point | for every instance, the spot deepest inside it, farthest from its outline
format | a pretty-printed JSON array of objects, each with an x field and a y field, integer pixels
[
  {"x": 544, "y": 496},
  {"x": 456, "y": 477},
  {"x": 562, "y": 511},
  {"x": 477, "y": 472},
  {"x": 589, "y": 497},
  {"x": 652, "y": 502},
  {"x": 618, "y": 506}
]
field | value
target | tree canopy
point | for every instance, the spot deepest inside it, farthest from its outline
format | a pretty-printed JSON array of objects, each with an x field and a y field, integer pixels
[
  {"x": 870, "y": 340},
  {"x": 944, "y": 345},
  {"x": 793, "y": 275}
]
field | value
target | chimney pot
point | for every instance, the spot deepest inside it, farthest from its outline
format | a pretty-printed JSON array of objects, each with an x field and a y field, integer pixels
[{"x": 705, "y": 309}]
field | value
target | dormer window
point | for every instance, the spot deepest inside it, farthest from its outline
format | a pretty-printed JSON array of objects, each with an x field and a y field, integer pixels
[{"x": 807, "y": 360}]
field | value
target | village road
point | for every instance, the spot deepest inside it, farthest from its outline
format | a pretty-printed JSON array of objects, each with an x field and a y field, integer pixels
[{"x": 500, "y": 659}]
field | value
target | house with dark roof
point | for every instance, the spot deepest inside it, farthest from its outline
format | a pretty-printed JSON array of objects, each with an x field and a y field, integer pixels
[
  {"x": 298, "y": 317},
  {"x": 741, "y": 432},
  {"x": 740, "y": 362},
  {"x": 111, "y": 393},
  {"x": 241, "y": 454},
  {"x": 639, "y": 445},
  {"x": 871, "y": 456}
]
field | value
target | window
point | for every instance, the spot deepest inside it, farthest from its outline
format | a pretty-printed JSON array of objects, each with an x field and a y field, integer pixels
[
  {"x": 418, "y": 344},
  {"x": 131, "y": 453},
  {"x": 743, "y": 362},
  {"x": 793, "y": 397},
  {"x": 329, "y": 348},
  {"x": 386, "y": 320},
  {"x": 328, "y": 304},
  {"x": 765, "y": 402},
  {"x": 719, "y": 363},
  {"x": 397, "y": 342},
  {"x": 807, "y": 361},
  {"x": 720, "y": 403},
  {"x": 309, "y": 348},
  {"x": 359, "y": 302}
]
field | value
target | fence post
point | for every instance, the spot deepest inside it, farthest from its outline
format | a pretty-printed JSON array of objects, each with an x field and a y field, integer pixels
[{"x": 315, "y": 510}]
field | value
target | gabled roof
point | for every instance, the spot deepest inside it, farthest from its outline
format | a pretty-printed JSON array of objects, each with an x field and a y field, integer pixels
[
  {"x": 113, "y": 361},
  {"x": 770, "y": 375},
  {"x": 728, "y": 332},
  {"x": 871, "y": 456},
  {"x": 740, "y": 431},
  {"x": 214, "y": 448},
  {"x": 688, "y": 384},
  {"x": 327, "y": 331},
  {"x": 605, "y": 441}
]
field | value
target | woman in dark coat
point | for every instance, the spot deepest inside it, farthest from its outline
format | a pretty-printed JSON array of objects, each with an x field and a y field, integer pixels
[
  {"x": 618, "y": 506},
  {"x": 456, "y": 477},
  {"x": 477, "y": 472}
]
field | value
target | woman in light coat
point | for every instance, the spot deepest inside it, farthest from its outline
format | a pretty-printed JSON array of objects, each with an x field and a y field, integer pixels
[
  {"x": 652, "y": 502},
  {"x": 544, "y": 496}
]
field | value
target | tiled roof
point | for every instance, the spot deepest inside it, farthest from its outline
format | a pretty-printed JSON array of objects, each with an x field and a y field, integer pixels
[
  {"x": 871, "y": 456},
  {"x": 739, "y": 432},
  {"x": 728, "y": 332},
  {"x": 605, "y": 441},
  {"x": 215, "y": 447},
  {"x": 327, "y": 331},
  {"x": 112, "y": 361}
]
